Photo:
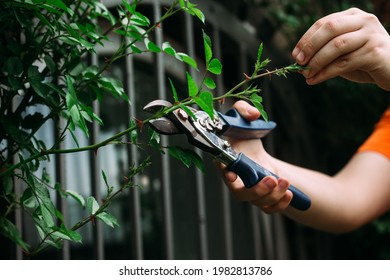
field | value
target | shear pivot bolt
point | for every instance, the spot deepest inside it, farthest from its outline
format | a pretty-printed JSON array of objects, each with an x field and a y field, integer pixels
[{"x": 182, "y": 114}]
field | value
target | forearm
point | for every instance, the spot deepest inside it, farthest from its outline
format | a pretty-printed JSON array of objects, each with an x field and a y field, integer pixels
[{"x": 342, "y": 202}]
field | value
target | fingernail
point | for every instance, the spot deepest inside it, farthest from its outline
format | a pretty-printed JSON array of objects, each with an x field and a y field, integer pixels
[
  {"x": 295, "y": 52},
  {"x": 301, "y": 57},
  {"x": 252, "y": 111},
  {"x": 269, "y": 183},
  {"x": 283, "y": 185}
]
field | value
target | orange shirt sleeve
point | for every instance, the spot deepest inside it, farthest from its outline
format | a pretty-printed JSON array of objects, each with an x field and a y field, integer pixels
[{"x": 379, "y": 140}]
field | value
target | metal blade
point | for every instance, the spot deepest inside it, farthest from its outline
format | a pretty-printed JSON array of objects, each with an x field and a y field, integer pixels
[
  {"x": 164, "y": 126},
  {"x": 157, "y": 105}
]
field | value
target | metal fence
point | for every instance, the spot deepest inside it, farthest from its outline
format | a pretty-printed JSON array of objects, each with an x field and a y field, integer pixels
[{"x": 179, "y": 213}]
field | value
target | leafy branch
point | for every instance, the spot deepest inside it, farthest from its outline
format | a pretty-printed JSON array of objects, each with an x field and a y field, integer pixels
[{"x": 58, "y": 36}]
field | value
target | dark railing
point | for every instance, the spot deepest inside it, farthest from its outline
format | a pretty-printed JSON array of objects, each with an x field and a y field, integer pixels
[{"x": 179, "y": 213}]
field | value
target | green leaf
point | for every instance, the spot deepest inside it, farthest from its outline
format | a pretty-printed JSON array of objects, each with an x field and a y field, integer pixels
[
  {"x": 166, "y": 46},
  {"x": 182, "y": 3},
  {"x": 78, "y": 119},
  {"x": 257, "y": 102},
  {"x": 16, "y": 83},
  {"x": 187, "y": 157},
  {"x": 71, "y": 97},
  {"x": 9, "y": 230},
  {"x": 260, "y": 52},
  {"x": 13, "y": 66},
  {"x": 69, "y": 40},
  {"x": 104, "y": 12},
  {"x": 108, "y": 219},
  {"x": 135, "y": 49},
  {"x": 8, "y": 185},
  {"x": 42, "y": 193},
  {"x": 139, "y": 19},
  {"x": 45, "y": 176},
  {"x": 207, "y": 47},
  {"x": 154, "y": 139},
  {"x": 151, "y": 46},
  {"x": 50, "y": 242},
  {"x": 175, "y": 97},
  {"x": 129, "y": 7},
  {"x": 28, "y": 199},
  {"x": 199, "y": 14},
  {"x": 192, "y": 86},
  {"x": 215, "y": 66},
  {"x": 114, "y": 86},
  {"x": 46, "y": 216},
  {"x": 60, "y": 5},
  {"x": 105, "y": 180},
  {"x": 50, "y": 64},
  {"x": 92, "y": 205},
  {"x": 40, "y": 88},
  {"x": 205, "y": 102},
  {"x": 209, "y": 83},
  {"x": 135, "y": 32},
  {"x": 187, "y": 59},
  {"x": 66, "y": 234},
  {"x": 74, "y": 236},
  {"x": 36, "y": 81},
  {"x": 78, "y": 197}
]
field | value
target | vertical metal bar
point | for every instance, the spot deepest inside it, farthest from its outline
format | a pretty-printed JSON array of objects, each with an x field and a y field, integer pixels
[
  {"x": 254, "y": 211},
  {"x": 227, "y": 222},
  {"x": 18, "y": 192},
  {"x": 61, "y": 178},
  {"x": 166, "y": 188},
  {"x": 281, "y": 245},
  {"x": 133, "y": 157},
  {"x": 269, "y": 237},
  {"x": 200, "y": 186},
  {"x": 98, "y": 236},
  {"x": 18, "y": 214}
]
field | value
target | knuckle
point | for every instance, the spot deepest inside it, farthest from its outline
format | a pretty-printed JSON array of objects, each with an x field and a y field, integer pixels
[
  {"x": 332, "y": 26},
  {"x": 355, "y": 10},
  {"x": 319, "y": 23},
  {"x": 340, "y": 44},
  {"x": 371, "y": 17},
  {"x": 342, "y": 63}
]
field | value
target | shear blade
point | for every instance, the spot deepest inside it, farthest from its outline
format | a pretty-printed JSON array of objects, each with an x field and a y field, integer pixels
[
  {"x": 157, "y": 105},
  {"x": 164, "y": 126}
]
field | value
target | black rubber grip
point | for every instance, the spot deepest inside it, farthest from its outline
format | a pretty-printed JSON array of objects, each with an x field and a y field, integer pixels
[{"x": 251, "y": 173}]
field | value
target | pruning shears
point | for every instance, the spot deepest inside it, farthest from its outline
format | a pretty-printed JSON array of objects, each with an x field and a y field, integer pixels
[{"x": 206, "y": 133}]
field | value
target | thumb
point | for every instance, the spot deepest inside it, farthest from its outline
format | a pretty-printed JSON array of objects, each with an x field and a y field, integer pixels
[{"x": 246, "y": 110}]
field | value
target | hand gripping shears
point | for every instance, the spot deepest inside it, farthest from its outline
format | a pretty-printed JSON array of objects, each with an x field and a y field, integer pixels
[{"x": 206, "y": 134}]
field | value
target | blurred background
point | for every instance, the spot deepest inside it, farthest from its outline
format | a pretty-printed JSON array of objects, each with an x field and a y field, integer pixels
[
  {"x": 330, "y": 120},
  {"x": 181, "y": 213}
]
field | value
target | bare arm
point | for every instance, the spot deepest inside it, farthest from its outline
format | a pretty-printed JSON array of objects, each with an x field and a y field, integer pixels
[
  {"x": 354, "y": 45},
  {"x": 359, "y": 193}
]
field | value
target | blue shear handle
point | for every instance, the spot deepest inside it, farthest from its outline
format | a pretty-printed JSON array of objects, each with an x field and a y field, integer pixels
[{"x": 251, "y": 173}]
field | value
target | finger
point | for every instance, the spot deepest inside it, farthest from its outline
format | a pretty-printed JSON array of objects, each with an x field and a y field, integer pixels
[
  {"x": 273, "y": 197},
  {"x": 343, "y": 65},
  {"x": 260, "y": 190},
  {"x": 246, "y": 110},
  {"x": 337, "y": 47},
  {"x": 281, "y": 205},
  {"x": 322, "y": 32},
  {"x": 230, "y": 176}
]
